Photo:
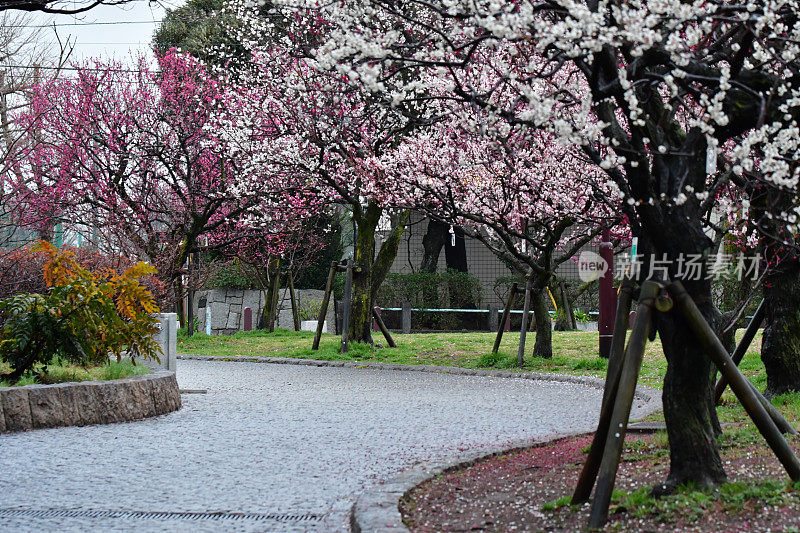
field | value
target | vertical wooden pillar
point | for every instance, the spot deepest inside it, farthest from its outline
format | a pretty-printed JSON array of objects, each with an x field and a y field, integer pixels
[
  {"x": 248, "y": 319},
  {"x": 618, "y": 422},
  {"x": 505, "y": 321},
  {"x": 526, "y": 308},
  {"x": 323, "y": 311},
  {"x": 406, "y": 317},
  {"x": 608, "y": 299},
  {"x": 293, "y": 300},
  {"x": 347, "y": 305}
]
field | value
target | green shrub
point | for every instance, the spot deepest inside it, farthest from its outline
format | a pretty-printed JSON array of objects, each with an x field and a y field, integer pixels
[
  {"x": 425, "y": 290},
  {"x": 308, "y": 309},
  {"x": 231, "y": 276},
  {"x": 83, "y": 318},
  {"x": 439, "y": 290}
]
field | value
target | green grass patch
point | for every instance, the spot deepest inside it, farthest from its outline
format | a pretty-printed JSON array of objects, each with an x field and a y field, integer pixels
[
  {"x": 574, "y": 352},
  {"x": 563, "y": 501},
  {"x": 690, "y": 504},
  {"x": 60, "y": 373}
]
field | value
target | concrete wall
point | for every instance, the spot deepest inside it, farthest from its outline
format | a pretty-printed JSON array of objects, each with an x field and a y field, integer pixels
[{"x": 227, "y": 308}]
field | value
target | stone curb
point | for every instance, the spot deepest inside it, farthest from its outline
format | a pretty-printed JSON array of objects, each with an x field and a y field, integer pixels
[
  {"x": 377, "y": 509},
  {"x": 645, "y": 394},
  {"x": 88, "y": 402}
]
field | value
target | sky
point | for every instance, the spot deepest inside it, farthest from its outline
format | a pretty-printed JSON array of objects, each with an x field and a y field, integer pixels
[{"x": 108, "y": 31}]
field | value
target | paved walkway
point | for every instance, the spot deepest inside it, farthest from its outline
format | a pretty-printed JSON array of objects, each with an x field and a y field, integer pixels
[{"x": 269, "y": 447}]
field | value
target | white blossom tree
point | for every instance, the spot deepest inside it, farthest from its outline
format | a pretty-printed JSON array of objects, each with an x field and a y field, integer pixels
[{"x": 673, "y": 100}]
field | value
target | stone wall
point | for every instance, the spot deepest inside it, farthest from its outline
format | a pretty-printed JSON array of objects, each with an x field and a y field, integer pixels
[
  {"x": 227, "y": 308},
  {"x": 88, "y": 402}
]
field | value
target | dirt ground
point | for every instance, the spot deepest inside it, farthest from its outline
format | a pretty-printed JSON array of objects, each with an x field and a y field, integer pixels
[{"x": 518, "y": 491}]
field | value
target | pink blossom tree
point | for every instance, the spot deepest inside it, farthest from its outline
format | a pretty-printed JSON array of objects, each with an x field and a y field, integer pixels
[
  {"x": 532, "y": 201},
  {"x": 128, "y": 151}
]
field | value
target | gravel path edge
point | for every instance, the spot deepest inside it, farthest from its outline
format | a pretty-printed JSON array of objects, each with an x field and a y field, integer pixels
[{"x": 646, "y": 394}]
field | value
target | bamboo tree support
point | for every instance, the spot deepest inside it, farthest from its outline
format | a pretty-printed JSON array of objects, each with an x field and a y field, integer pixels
[
  {"x": 506, "y": 313},
  {"x": 293, "y": 300},
  {"x": 526, "y": 308},
  {"x": 739, "y": 384},
  {"x": 324, "y": 306},
  {"x": 383, "y": 328},
  {"x": 588, "y": 475},
  {"x": 618, "y": 420},
  {"x": 741, "y": 348},
  {"x": 348, "y": 303},
  {"x": 274, "y": 289},
  {"x": 738, "y": 354}
]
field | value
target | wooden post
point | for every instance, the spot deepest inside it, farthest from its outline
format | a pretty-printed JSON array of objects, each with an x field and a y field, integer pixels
[
  {"x": 583, "y": 489},
  {"x": 377, "y": 317},
  {"x": 348, "y": 303},
  {"x": 608, "y": 302},
  {"x": 504, "y": 321},
  {"x": 523, "y": 331},
  {"x": 324, "y": 307},
  {"x": 618, "y": 423},
  {"x": 739, "y": 384},
  {"x": 741, "y": 349},
  {"x": 406, "y": 316},
  {"x": 492, "y": 320},
  {"x": 293, "y": 300},
  {"x": 621, "y": 325},
  {"x": 275, "y": 288}
]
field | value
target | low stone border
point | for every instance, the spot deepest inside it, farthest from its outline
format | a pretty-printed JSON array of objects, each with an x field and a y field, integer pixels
[
  {"x": 88, "y": 402},
  {"x": 377, "y": 509}
]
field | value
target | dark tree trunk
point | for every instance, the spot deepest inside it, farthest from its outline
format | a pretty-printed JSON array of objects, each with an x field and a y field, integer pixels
[
  {"x": 177, "y": 289},
  {"x": 689, "y": 411},
  {"x": 374, "y": 268},
  {"x": 780, "y": 345},
  {"x": 455, "y": 251},
  {"x": 687, "y": 397},
  {"x": 435, "y": 238},
  {"x": 543, "y": 347}
]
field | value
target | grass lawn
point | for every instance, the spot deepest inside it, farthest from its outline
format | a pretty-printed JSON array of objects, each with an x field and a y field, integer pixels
[
  {"x": 574, "y": 352},
  {"x": 62, "y": 373}
]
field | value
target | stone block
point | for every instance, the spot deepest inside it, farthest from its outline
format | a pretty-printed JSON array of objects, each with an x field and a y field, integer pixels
[
  {"x": 142, "y": 398},
  {"x": 233, "y": 321},
  {"x": 2, "y": 418},
  {"x": 71, "y": 408},
  {"x": 16, "y": 409},
  {"x": 46, "y": 408}
]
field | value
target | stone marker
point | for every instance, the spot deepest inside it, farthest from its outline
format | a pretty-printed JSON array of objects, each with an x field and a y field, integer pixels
[
  {"x": 248, "y": 319},
  {"x": 311, "y": 325}
]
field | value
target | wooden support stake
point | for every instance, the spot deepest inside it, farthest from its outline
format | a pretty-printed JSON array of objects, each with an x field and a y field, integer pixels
[
  {"x": 348, "y": 303},
  {"x": 323, "y": 310},
  {"x": 275, "y": 288},
  {"x": 741, "y": 348},
  {"x": 618, "y": 423},
  {"x": 293, "y": 300},
  {"x": 526, "y": 308},
  {"x": 583, "y": 488},
  {"x": 377, "y": 316},
  {"x": 739, "y": 384},
  {"x": 506, "y": 313}
]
